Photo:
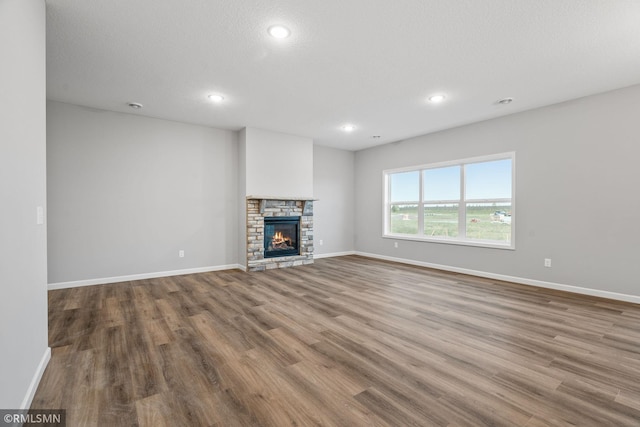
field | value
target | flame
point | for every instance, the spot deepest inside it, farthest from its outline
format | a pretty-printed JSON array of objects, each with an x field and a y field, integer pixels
[
  {"x": 278, "y": 238},
  {"x": 280, "y": 241}
]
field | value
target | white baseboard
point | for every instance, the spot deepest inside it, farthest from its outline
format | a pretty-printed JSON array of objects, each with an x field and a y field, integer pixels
[
  {"x": 521, "y": 280},
  {"x": 35, "y": 381},
  {"x": 116, "y": 279},
  {"x": 333, "y": 254}
]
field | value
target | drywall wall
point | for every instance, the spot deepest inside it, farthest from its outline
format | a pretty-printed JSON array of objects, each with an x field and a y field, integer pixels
[
  {"x": 278, "y": 164},
  {"x": 126, "y": 193},
  {"x": 23, "y": 244},
  {"x": 576, "y": 193},
  {"x": 242, "y": 198},
  {"x": 333, "y": 186}
]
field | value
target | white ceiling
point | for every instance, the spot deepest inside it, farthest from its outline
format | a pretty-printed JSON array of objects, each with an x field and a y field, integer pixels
[{"x": 372, "y": 63}]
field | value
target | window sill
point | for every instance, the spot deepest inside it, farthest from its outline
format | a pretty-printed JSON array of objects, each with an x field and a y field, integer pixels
[{"x": 475, "y": 243}]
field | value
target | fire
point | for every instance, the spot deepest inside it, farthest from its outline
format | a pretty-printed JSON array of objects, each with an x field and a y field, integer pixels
[
  {"x": 280, "y": 241},
  {"x": 278, "y": 238}
]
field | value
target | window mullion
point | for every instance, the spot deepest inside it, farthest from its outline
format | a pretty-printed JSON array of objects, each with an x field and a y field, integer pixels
[
  {"x": 387, "y": 204},
  {"x": 421, "y": 205},
  {"x": 462, "y": 206}
]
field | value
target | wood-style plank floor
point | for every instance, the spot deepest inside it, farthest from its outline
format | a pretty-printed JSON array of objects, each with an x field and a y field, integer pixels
[{"x": 347, "y": 341}]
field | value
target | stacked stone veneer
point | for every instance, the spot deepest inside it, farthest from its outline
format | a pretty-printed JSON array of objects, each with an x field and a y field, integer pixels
[{"x": 257, "y": 210}]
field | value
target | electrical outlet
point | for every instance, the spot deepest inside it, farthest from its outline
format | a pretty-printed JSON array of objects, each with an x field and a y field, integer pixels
[
  {"x": 181, "y": 253},
  {"x": 320, "y": 242},
  {"x": 395, "y": 245},
  {"x": 547, "y": 262}
]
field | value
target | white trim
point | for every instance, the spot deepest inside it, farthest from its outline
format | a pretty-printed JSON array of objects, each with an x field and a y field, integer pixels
[
  {"x": 333, "y": 254},
  {"x": 456, "y": 162},
  {"x": 521, "y": 280},
  {"x": 287, "y": 198},
  {"x": 489, "y": 244},
  {"x": 116, "y": 279},
  {"x": 35, "y": 381}
]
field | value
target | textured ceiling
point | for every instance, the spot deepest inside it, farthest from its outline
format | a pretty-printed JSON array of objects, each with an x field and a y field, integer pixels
[{"x": 372, "y": 63}]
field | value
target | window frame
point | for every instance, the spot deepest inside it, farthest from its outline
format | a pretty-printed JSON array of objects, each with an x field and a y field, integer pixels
[{"x": 462, "y": 202}]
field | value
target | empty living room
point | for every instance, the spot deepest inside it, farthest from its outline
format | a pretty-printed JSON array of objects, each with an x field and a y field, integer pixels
[{"x": 291, "y": 213}]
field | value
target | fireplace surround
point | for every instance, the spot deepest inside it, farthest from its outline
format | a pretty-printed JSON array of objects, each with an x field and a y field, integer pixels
[{"x": 292, "y": 247}]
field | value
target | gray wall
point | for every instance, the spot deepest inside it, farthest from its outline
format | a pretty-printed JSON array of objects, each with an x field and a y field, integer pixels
[
  {"x": 127, "y": 192},
  {"x": 23, "y": 245},
  {"x": 333, "y": 186},
  {"x": 576, "y": 193},
  {"x": 278, "y": 164},
  {"x": 242, "y": 198}
]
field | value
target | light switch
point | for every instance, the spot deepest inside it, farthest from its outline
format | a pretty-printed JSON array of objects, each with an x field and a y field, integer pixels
[{"x": 39, "y": 215}]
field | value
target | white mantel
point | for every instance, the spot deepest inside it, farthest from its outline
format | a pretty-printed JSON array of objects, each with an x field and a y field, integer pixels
[{"x": 280, "y": 198}]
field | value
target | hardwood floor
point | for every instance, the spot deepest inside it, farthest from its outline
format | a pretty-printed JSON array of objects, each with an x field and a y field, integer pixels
[{"x": 347, "y": 341}]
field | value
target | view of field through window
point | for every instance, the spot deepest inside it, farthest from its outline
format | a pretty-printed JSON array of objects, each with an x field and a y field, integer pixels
[{"x": 478, "y": 207}]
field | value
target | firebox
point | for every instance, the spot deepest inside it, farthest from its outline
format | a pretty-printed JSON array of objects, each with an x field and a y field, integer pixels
[{"x": 281, "y": 236}]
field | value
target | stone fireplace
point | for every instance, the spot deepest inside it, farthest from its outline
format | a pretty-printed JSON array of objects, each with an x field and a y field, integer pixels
[{"x": 279, "y": 232}]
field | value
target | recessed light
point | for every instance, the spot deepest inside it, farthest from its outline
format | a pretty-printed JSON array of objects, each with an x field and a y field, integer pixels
[
  {"x": 279, "y": 31},
  {"x": 216, "y": 98},
  {"x": 134, "y": 105},
  {"x": 436, "y": 98},
  {"x": 505, "y": 101},
  {"x": 348, "y": 128}
]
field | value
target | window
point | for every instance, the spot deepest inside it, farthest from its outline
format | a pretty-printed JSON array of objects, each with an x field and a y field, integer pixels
[{"x": 468, "y": 201}]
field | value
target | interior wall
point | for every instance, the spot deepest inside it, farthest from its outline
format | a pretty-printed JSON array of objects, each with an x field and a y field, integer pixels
[
  {"x": 127, "y": 193},
  {"x": 23, "y": 244},
  {"x": 242, "y": 198},
  {"x": 333, "y": 186},
  {"x": 278, "y": 164},
  {"x": 576, "y": 193}
]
